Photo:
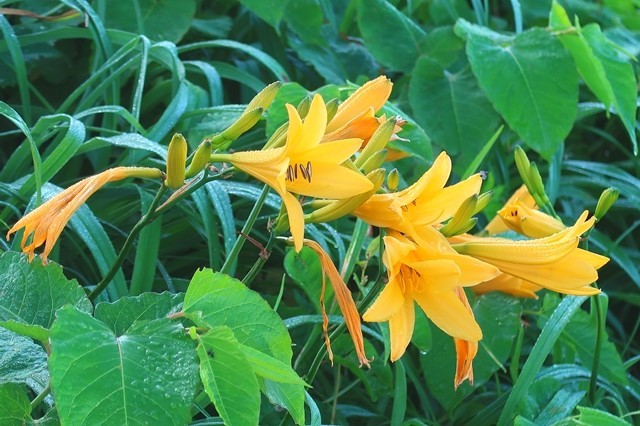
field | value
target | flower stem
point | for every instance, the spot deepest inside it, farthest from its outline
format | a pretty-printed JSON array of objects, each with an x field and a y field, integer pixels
[
  {"x": 41, "y": 396},
  {"x": 257, "y": 266},
  {"x": 229, "y": 264},
  {"x": 148, "y": 217},
  {"x": 596, "y": 304}
]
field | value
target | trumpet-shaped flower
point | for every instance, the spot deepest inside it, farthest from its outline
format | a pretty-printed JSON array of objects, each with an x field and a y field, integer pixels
[
  {"x": 426, "y": 202},
  {"x": 528, "y": 221},
  {"x": 45, "y": 223},
  {"x": 554, "y": 262},
  {"x": 428, "y": 274},
  {"x": 497, "y": 225},
  {"x": 304, "y": 165}
]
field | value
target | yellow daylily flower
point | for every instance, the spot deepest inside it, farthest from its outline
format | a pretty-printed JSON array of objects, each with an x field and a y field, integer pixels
[
  {"x": 304, "y": 165},
  {"x": 508, "y": 284},
  {"x": 497, "y": 225},
  {"x": 528, "y": 221},
  {"x": 466, "y": 350},
  {"x": 429, "y": 275},
  {"x": 426, "y": 202},
  {"x": 345, "y": 301},
  {"x": 45, "y": 223},
  {"x": 554, "y": 262}
]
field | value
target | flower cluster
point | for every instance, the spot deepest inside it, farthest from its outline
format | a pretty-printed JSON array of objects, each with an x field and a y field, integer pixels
[{"x": 325, "y": 162}]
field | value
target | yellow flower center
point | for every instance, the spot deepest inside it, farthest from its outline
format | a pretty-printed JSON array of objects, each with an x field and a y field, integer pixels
[{"x": 409, "y": 279}]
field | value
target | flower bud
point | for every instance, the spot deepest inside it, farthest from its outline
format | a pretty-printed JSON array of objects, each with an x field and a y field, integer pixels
[
  {"x": 303, "y": 106},
  {"x": 535, "y": 185},
  {"x": 264, "y": 98},
  {"x": 378, "y": 141},
  {"x": 246, "y": 121},
  {"x": 200, "y": 159},
  {"x": 393, "y": 179},
  {"x": 608, "y": 197},
  {"x": 176, "y": 161},
  {"x": 522, "y": 163},
  {"x": 462, "y": 220},
  {"x": 332, "y": 108}
]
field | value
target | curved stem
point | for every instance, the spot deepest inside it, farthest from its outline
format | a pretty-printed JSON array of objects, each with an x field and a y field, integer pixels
[
  {"x": 262, "y": 259},
  {"x": 229, "y": 263},
  {"x": 148, "y": 217},
  {"x": 41, "y": 396}
]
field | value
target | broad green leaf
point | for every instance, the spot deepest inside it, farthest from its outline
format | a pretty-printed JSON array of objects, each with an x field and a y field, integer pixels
[
  {"x": 270, "y": 368},
  {"x": 166, "y": 20},
  {"x": 215, "y": 299},
  {"x": 589, "y": 66},
  {"x": 269, "y": 10},
  {"x": 305, "y": 18},
  {"x": 287, "y": 395},
  {"x": 393, "y": 38},
  {"x": 452, "y": 109},
  {"x": 120, "y": 315},
  {"x": 499, "y": 318},
  {"x": 228, "y": 377},
  {"x": 16, "y": 407},
  {"x": 33, "y": 292},
  {"x": 580, "y": 335},
  {"x": 417, "y": 141},
  {"x": 592, "y": 416},
  {"x": 21, "y": 360},
  {"x": 620, "y": 75},
  {"x": 531, "y": 81},
  {"x": 304, "y": 269},
  {"x": 604, "y": 69},
  {"x": 148, "y": 373}
]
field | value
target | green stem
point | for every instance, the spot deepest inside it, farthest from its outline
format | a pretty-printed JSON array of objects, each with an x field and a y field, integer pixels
[
  {"x": 597, "y": 305},
  {"x": 229, "y": 263},
  {"x": 148, "y": 217},
  {"x": 262, "y": 259},
  {"x": 41, "y": 396}
]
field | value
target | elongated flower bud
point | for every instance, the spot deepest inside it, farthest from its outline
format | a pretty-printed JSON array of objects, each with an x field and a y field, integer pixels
[
  {"x": 200, "y": 159},
  {"x": 246, "y": 121},
  {"x": 264, "y": 98},
  {"x": 378, "y": 141},
  {"x": 462, "y": 220},
  {"x": 332, "y": 108},
  {"x": 608, "y": 197},
  {"x": 176, "y": 161}
]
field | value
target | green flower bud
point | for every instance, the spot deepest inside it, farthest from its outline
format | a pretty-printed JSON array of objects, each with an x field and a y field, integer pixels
[
  {"x": 522, "y": 163},
  {"x": 608, "y": 197},
  {"x": 378, "y": 141},
  {"x": 264, "y": 98},
  {"x": 200, "y": 159},
  {"x": 462, "y": 220},
  {"x": 393, "y": 179}
]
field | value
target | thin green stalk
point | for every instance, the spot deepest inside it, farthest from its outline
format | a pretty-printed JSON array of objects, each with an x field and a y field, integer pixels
[
  {"x": 41, "y": 396},
  {"x": 597, "y": 305},
  {"x": 229, "y": 263},
  {"x": 147, "y": 218},
  {"x": 257, "y": 266}
]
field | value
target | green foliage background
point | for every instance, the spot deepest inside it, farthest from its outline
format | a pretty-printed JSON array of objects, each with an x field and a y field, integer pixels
[{"x": 88, "y": 85}]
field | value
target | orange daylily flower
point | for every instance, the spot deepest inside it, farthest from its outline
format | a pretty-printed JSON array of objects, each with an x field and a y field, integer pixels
[{"x": 46, "y": 222}]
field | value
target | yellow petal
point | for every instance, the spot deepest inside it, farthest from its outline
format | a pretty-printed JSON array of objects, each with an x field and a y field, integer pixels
[
  {"x": 448, "y": 313},
  {"x": 372, "y": 94},
  {"x": 497, "y": 225},
  {"x": 508, "y": 284},
  {"x": 295, "y": 215},
  {"x": 387, "y": 304},
  {"x": 432, "y": 180},
  {"x": 330, "y": 181},
  {"x": 401, "y": 329}
]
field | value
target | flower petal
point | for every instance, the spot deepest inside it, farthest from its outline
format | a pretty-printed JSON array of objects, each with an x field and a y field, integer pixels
[
  {"x": 448, "y": 313},
  {"x": 331, "y": 181},
  {"x": 387, "y": 304},
  {"x": 401, "y": 329}
]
